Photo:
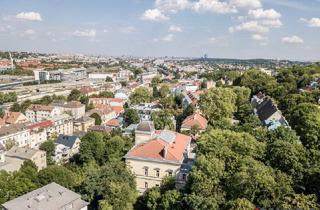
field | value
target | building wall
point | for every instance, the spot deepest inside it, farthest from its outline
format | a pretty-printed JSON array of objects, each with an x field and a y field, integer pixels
[
  {"x": 21, "y": 138},
  {"x": 141, "y": 137},
  {"x": 37, "y": 137},
  {"x": 40, "y": 159},
  {"x": 151, "y": 180},
  {"x": 76, "y": 112}
]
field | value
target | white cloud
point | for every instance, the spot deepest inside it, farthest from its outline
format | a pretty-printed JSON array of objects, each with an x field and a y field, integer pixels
[
  {"x": 272, "y": 23},
  {"x": 292, "y": 40},
  {"x": 168, "y": 38},
  {"x": 264, "y": 14},
  {"x": 154, "y": 15},
  {"x": 258, "y": 37},
  {"x": 32, "y": 16},
  {"x": 128, "y": 29},
  {"x": 29, "y": 32},
  {"x": 214, "y": 6},
  {"x": 172, "y": 6},
  {"x": 251, "y": 26},
  {"x": 174, "y": 28},
  {"x": 212, "y": 39},
  {"x": 313, "y": 22},
  {"x": 246, "y": 3},
  {"x": 90, "y": 33}
]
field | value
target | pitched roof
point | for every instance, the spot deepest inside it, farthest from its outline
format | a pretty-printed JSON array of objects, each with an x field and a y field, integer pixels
[
  {"x": 73, "y": 104},
  {"x": 166, "y": 146},
  {"x": 39, "y": 107},
  {"x": 195, "y": 120},
  {"x": 68, "y": 141},
  {"x": 43, "y": 124},
  {"x": 145, "y": 126},
  {"x": 113, "y": 123},
  {"x": 12, "y": 117},
  {"x": 266, "y": 109}
]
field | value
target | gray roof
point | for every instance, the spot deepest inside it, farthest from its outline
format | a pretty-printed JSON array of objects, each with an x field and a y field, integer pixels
[
  {"x": 49, "y": 197},
  {"x": 145, "y": 126},
  {"x": 68, "y": 141}
]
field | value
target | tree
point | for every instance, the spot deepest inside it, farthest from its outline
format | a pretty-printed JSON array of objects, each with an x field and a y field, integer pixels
[
  {"x": 113, "y": 183},
  {"x": 163, "y": 119},
  {"x": 305, "y": 120},
  {"x": 74, "y": 95},
  {"x": 97, "y": 119},
  {"x": 164, "y": 91},
  {"x": 15, "y": 107},
  {"x": 300, "y": 201},
  {"x": 92, "y": 148},
  {"x": 106, "y": 94},
  {"x": 130, "y": 116},
  {"x": 155, "y": 81},
  {"x": 218, "y": 103},
  {"x": 58, "y": 174},
  {"x": 257, "y": 81},
  {"x": 49, "y": 147},
  {"x": 140, "y": 95},
  {"x": 240, "y": 204},
  {"x": 109, "y": 79}
]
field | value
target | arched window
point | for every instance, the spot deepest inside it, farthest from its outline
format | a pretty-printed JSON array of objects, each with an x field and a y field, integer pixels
[
  {"x": 157, "y": 172},
  {"x": 169, "y": 172},
  {"x": 146, "y": 171}
]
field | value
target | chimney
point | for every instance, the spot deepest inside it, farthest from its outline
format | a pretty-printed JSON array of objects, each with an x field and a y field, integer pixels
[{"x": 165, "y": 152}]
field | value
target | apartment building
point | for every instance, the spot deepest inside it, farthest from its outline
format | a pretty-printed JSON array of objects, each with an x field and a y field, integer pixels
[
  {"x": 38, "y": 113},
  {"x": 17, "y": 134}
]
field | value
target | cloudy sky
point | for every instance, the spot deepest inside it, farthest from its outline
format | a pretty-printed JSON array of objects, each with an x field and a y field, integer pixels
[{"x": 220, "y": 28}]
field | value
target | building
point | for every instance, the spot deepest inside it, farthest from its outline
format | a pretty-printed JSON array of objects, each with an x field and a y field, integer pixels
[
  {"x": 14, "y": 158},
  {"x": 157, "y": 154},
  {"x": 268, "y": 112},
  {"x": 13, "y": 118},
  {"x": 66, "y": 147},
  {"x": 195, "y": 121},
  {"x": 83, "y": 124},
  {"x": 107, "y": 101},
  {"x": 105, "y": 114},
  {"x": 146, "y": 109},
  {"x": 38, "y": 113},
  {"x": 72, "y": 74},
  {"x": 16, "y": 134},
  {"x": 62, "y": 124},
  {"x": 148, "y": 76},
  {"x": 75, "y": 109},
  {"x": 48, "y": 197},
  {"x": 39, "y": 133},
  {"x": 191, "y": 98}
]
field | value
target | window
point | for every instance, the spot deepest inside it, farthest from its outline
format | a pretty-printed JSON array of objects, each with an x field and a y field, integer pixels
[
  {"x": 170, "y": 173},
  {"x": 157, "y": 172},
  {"x": 146, "y": 185},
  {"x": 146, "y": 171},
  {"x": 184, "y": 177}
]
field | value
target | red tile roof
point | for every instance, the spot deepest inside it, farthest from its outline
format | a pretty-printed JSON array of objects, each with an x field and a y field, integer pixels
[
  {"x": 43, "y": 124},
  {"x": 113, "y": 123},
  {"x": 195, "y": 120},
  {"x": 162, "y": 150}
]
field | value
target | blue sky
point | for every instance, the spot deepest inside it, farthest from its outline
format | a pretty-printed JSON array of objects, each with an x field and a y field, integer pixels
[{"x": 220, "y": 28}]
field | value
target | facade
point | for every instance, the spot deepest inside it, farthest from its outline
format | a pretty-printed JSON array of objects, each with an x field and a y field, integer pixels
[
  {"x": 107, "y": 101},
  {"x": 105, "y": 114},
  {"x": 66, "y": 147},
  {"x": 16, "y": 134},
  {"x": 148, "y": 76},
  {"x": 38, "y": 113},
  {"x": 75, "y": 108},
  {"x": 157, "y": 154},
  {"x": 39, "y": 133},
  {"x": 83, "y": 124},
  {"x": 14, "y": 158},
  {"x": 145, "y": 110},
  {"x": 62, "y": 124},
  {"x": 49, "y": 197}
]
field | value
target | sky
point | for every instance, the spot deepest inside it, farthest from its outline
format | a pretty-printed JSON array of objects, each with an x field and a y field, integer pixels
[{"x": 277, "y": 29}]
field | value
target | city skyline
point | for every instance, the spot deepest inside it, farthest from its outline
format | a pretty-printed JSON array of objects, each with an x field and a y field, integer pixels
[{"x": 182, "y": 28}]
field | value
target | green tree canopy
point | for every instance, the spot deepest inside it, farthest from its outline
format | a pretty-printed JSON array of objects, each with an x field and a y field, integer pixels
[{"x": 140, "y": 95}]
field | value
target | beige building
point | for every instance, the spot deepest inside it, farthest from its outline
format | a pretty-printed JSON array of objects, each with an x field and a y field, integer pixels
[
  {"x": 13, "y": 118},
  {"x": 83, "y": 124},
  {"x": 16, "y": 134},
  {"x": 13, "y": 159},
  {"x": 157, "y": 154},
  {"x": 38, "y": 113}
]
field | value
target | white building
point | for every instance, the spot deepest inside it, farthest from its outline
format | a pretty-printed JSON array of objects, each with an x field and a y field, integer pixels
[
  {"x": 38, "y": 113},
  {"x": 16, "y": 134}
]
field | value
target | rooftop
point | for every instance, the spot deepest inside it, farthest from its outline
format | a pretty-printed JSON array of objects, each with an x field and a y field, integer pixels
[{"x": 49, "y": 197}]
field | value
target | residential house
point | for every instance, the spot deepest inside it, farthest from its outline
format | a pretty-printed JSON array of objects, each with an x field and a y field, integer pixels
[
  {"x": 48, "y": 197},
  {"x": 107, "y": 101},
  {"x": 105, "y": 114},
  {"x": 148, "y": 76},
  {"x": 146, "y": 109},
  {"x": 157, "y": 154},
  {"x": 122, "y": 94},
  {"x": 14, "y": 158},
  {"x": 268, "y": 112},
  {"x": 66, "y": 147},
  {"x": 38, "y": 113},
  {"x": 39, "y": 133},
  {"x": 191, "y": 98},
  {"x": 82, "y": 124},
  {"x": 13, "y": 118},
  {"x": 75, "y": 108},
  {"x": 62, "y": 124},
  {"x": 195, "y": 121}
]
